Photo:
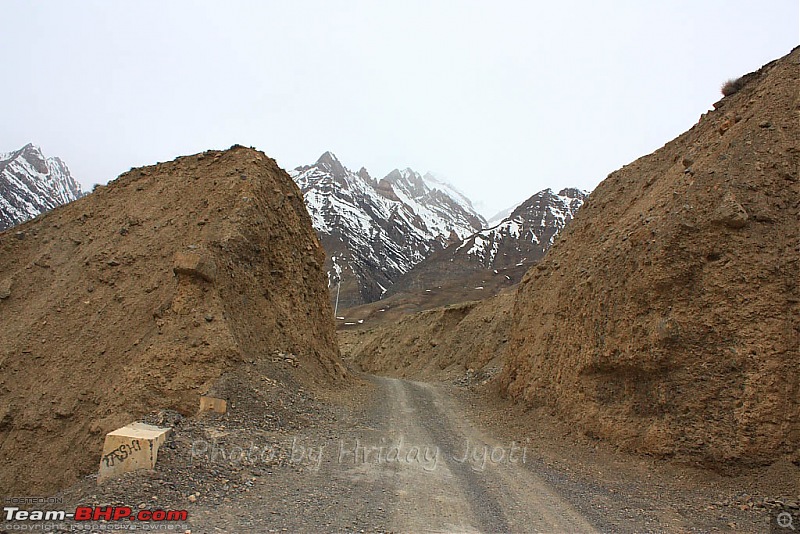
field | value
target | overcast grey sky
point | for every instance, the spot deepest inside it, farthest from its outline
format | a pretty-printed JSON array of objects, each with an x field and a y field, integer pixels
[{"x": 504, "y": 98}]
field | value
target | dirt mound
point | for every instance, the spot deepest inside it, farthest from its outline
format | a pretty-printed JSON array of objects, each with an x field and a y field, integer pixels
[
  {"x": 164, "y": 285},
  {"x": 469, "y": 288},
  {"x": 666, "y": 319},
  {"x": 453, "y": 342}
]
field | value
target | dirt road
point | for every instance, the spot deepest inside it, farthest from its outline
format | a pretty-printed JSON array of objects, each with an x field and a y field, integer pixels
[
  {"x": 410, "y": 456},
  {"x": 465, "y": 482},
  {"x": 409, "y": 462}
]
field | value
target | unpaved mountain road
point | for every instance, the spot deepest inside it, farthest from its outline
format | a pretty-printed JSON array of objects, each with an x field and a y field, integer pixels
[
  {"x": 466, "y": 482},
  {"x": 414, "y": 464},
  {"x": 410, "y": 456}
]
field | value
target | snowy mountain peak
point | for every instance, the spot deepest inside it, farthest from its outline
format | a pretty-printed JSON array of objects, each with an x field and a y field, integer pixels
[
  {"x": 407, "y": 180},
  {"x": 364, "y": 175},
  {"x": 330, "y": 163},
  {"x": 530, "y": 228},
  {"x": 32, "y": 154},
  {"x": 327, "y": 158},
  {"x": 436, "y": 194},
  {"x": 572, "y": 192},
  {"x": 502, "y": 252},
  {"x": 375, "y": 230},
  {"x": 31, "y": 184},
  {"x": 410, "y": 182}
]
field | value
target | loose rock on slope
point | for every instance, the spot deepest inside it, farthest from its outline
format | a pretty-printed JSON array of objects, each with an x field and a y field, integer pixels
[
  {"x": 454, "y": 341},
  {"x": 666, "y": 319},
  {"x": 142, "y": 295}
]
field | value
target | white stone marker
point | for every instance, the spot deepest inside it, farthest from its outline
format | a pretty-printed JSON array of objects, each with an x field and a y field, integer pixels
[{"x": 129, "y": 448}]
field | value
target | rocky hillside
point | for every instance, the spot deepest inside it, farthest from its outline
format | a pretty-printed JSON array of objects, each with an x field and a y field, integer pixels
[
  {"x": 375, "y": 230},
  {"x": 31, "y": 184},
  {"x": 173, "y": 281},
  {"x": 499, "y": 256},
  {"x": 445, "y": 343},
  {"x": 666, "y": 319}
]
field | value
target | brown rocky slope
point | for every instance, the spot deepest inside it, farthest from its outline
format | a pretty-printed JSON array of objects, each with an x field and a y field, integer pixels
[
  {"x": 144, "y": 295},
  {"x": 444, "y": 343},
  {"x": 667, "y": 318}
]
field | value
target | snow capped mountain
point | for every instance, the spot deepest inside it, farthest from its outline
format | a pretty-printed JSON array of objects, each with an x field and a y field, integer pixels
[
  {"x": 527, "y": 233},
  {"x": 373, "y": 231},
  {"x": 504, "y": 251},
  {"x": 441, "y": 205},
  {"x": 31, "y": 184}
]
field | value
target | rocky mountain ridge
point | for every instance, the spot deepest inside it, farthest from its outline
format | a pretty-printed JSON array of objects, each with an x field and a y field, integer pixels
[
  {"x": 31, "y": 184},
  {"x": 498, "y": 257},
  {"x": 374, "y": 231}
]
